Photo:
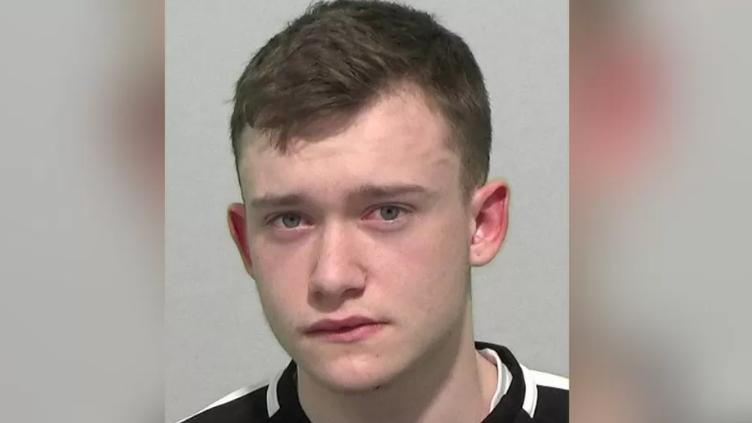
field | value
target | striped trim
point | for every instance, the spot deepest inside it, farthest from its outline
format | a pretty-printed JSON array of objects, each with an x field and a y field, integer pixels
[
  {"x": 503, "y": 376},
  {"x": 231, "y": 397},
  {"x": 552, "y": 381},
  {"x": 272, "y": 396},
  {"x": 533, "y": 379},
  {"x": 272, "y": 400}
]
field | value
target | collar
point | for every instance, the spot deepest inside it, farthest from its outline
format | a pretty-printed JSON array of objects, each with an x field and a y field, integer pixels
[{"x": 503, "y": 376}]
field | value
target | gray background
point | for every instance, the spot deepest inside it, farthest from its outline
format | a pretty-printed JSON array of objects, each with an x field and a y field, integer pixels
[{"x": 216, "y": 337}]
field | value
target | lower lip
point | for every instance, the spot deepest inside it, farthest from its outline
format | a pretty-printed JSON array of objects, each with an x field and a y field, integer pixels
[{"x": 354, "y": 334}]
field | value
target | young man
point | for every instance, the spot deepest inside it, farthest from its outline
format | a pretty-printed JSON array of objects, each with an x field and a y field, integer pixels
[{"x": 362, "y": 135}]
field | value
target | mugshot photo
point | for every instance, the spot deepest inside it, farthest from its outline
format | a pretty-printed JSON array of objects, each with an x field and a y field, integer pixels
[{"x": 367, "y": 211}]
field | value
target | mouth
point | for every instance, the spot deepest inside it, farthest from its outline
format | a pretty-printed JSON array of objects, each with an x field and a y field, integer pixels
[{"x": 351, "y": 329}]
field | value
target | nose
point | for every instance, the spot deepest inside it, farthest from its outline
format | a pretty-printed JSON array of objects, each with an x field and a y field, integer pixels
[{"x": 337, "y": 274}]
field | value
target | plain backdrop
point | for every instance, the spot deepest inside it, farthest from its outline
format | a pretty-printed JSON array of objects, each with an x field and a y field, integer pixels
[{"x": 216, "y": 337}]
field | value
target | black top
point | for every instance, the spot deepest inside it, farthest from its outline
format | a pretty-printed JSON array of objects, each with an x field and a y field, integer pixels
[{"x": 531, "y": 397}]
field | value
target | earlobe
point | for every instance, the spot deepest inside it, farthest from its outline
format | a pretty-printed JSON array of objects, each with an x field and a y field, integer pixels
[
  {"x": 238, "y": 225},
  {"x": 491, "y": 214}
]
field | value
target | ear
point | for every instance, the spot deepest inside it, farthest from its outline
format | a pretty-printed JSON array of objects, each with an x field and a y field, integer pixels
[
  {"x": 238, "y": 224},
  {"x": 490, "y": 213}
]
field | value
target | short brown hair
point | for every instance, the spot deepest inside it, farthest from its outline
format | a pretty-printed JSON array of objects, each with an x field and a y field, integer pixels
[{"x": 338, "y": 57}]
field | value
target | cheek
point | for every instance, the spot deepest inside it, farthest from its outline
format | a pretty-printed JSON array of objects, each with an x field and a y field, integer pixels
[
  {"x": 281, "y": 279},
  {"x": 427, "y": 269}
]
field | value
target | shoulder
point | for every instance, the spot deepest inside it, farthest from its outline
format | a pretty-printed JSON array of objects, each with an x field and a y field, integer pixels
[
  {"x": 247, "y": 405},
  {"x": 526, "y": 395},
  {"x": 275, "y": 401},
  {"x": 547, "y": 399}
]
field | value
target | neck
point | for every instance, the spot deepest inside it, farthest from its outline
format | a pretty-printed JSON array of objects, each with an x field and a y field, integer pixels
[{"x": 452, "y": 385}]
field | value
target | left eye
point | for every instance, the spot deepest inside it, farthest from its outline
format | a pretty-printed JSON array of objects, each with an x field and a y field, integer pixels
[{"x": 388, "y": 213}]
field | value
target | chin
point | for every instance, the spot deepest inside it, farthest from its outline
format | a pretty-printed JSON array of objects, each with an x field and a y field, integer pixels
[{"x": 355, "y": 375}]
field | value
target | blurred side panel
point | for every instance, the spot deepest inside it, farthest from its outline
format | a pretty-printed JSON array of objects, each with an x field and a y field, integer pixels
[
  {"x": 660, "y": 155},
  {"x": 81, "y": 222}
]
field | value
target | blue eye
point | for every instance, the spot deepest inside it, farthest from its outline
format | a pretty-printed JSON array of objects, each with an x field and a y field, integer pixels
[
  {"x": 288, "y": 220},
  {"x": 389, "y": 212}
]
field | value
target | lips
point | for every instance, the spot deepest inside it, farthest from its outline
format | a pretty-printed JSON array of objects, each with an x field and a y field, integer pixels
[
  {"x": 350, "y": 330},
  {"x": 340, "y": 325}
]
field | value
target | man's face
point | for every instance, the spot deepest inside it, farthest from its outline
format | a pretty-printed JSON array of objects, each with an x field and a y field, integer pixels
[{"x": 370, "y": 223}]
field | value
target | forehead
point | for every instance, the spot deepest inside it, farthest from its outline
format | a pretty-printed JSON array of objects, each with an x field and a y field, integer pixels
[{"x": 399, "y": 139}]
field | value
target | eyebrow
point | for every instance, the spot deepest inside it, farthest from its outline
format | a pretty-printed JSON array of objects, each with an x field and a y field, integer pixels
[
  {"x": 268, "y": 201},
  {"x": 363, "y": 192},
  {"x": 371, "y": 191}
]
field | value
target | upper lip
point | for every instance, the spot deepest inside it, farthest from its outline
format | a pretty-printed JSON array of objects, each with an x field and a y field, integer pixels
[{"x": 330, "y": 325}]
